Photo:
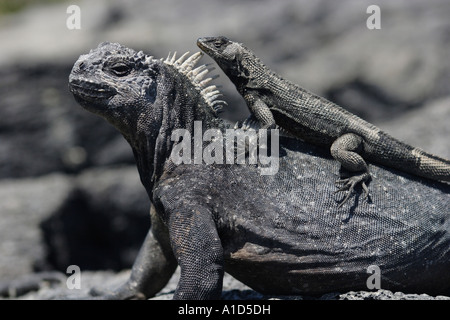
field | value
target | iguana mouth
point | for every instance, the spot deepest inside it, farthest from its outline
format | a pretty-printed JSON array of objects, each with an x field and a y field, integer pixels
[{"x": 91, "y": 91}]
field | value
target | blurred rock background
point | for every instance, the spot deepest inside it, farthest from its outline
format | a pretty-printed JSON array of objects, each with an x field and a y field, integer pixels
[{"x": 69, "y": 189}]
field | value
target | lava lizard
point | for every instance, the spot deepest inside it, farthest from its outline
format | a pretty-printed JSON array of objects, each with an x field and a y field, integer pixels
[{"x": 273, "y": 100}]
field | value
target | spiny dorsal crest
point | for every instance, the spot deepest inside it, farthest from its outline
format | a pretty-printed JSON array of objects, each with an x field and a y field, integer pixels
[{"x": 186, "y": 65}]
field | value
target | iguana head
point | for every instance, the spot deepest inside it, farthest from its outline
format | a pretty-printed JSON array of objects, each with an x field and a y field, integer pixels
[
  {"x": 111, "y": 77},
  {"x": 145, "y": 98},
  {"x": 121, "y": 84}
]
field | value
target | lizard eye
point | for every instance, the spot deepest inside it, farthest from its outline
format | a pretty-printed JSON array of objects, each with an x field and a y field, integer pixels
[
  {"x": 218, "y": 43},
  {"x": 120, "y": 69}
]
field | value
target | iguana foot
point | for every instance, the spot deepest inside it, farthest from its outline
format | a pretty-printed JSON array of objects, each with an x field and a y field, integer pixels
[
  {"x": 349, "y": 186},
  {"x": 124, "y": 292},
  {"x": 32, "y": 282}
]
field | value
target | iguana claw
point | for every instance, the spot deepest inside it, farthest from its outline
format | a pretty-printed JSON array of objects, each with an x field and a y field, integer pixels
[{"x": 124, "y": 292}]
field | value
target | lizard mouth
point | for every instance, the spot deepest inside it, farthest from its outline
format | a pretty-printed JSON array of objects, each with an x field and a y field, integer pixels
[
  {"x": 201, "y": 43},
  {"x": 91, "y": 91},
  {"x": 204, "y": 43}
]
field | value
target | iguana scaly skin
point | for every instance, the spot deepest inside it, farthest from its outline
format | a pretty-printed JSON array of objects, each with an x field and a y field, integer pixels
[
  {"x": 279, "y": 234},
  {"x": 352, "y": 141}
]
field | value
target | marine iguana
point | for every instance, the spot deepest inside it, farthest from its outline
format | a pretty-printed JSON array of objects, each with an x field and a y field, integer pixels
[
  {"x": 279, "y": 234},
  {"x": 351, "y": 140}
]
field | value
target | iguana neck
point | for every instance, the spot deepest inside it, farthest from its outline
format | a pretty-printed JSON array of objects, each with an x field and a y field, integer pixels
[{"x": 179, "y": 106}]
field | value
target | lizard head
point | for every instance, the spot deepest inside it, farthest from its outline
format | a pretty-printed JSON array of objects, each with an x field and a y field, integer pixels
[{"x": 229, "y": 55}]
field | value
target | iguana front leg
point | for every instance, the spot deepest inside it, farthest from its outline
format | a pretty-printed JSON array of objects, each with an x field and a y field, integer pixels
[
  {"x": 152, "y": 269},
  {"x": 196, "y": 246},
  {"x": 346, "y": 150}
]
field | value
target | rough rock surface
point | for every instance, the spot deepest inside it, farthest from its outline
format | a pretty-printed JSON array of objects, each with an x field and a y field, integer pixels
[
  {"x": 69, "y": 190},
  {"x": 24, "y": 205}
]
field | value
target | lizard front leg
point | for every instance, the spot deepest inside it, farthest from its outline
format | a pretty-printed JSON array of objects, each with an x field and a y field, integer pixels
[
  {"x": 260, "y": 110},
  {"x": 346, "y": 150}
]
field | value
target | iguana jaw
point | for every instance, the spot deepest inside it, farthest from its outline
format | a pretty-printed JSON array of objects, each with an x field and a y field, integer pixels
[{"x": 90, "y": 92}]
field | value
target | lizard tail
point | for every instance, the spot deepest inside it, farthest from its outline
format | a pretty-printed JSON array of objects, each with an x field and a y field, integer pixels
[
  {"x": 407, "y": 158},
  {"x": 431, "y": 166}
]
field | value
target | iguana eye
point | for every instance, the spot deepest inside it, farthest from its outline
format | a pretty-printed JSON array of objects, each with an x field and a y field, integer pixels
[{"x": 120, "y": 69}]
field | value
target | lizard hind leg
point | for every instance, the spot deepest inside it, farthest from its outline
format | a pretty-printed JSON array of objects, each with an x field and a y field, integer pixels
[{"x": 346, "y": 150}]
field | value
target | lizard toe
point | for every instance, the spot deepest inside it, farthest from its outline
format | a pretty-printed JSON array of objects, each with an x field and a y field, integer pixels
[
  {"x": 366, "y": 191},
  {"x": 348, "y": 184}
]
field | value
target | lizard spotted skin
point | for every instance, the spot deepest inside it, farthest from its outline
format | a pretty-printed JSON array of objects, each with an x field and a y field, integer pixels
[
  {"x": 351, "y": 140},
  {"x": 280, "y": 233}
]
